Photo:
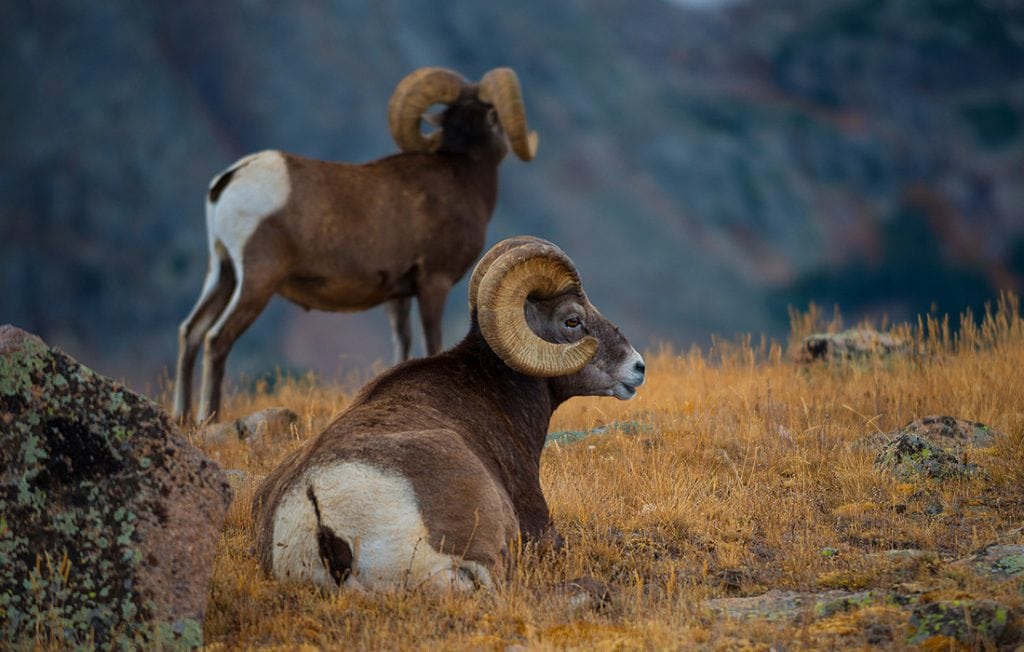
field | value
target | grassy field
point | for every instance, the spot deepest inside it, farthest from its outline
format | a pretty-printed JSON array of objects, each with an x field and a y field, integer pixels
[{"x": 734, "y": 472}]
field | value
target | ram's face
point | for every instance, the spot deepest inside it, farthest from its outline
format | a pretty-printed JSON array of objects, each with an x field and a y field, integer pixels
[{"x": 616, "y": 369}]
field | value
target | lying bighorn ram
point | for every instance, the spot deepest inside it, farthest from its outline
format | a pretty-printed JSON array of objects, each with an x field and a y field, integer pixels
[
  {"x": 340, "y": 236},
  {"x": 435, "y": 467}
]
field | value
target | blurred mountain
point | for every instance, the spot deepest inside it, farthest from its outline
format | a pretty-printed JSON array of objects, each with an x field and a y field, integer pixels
[{"x": 705, "y": 167}]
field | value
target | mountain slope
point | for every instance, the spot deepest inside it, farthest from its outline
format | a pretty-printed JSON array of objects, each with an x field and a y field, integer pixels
[{"x": 704, "y": 168}]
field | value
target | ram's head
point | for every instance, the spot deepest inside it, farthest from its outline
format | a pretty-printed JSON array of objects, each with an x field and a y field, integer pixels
[
  {"x": 491, "y": 108},
  {"x": 528, "y": 299}
]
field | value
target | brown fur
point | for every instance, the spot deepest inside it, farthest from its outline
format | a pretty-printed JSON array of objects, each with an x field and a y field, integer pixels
[
  {"x": 351, "y": 237},
  {"x": 466, "y": 430},
  {"x": 463, "y": 428}
]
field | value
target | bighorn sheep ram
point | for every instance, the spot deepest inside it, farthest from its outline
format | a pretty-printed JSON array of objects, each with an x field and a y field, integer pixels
[
  {"x": 434, "y": 469},
  {"x": 346, "y": 237}
]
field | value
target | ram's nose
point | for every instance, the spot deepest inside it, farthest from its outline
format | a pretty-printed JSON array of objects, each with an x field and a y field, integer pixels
[{"x": 636, "y": 370}]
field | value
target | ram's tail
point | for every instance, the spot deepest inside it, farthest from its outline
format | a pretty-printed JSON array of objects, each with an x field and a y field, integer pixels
[{"x": 335, "y": 553}]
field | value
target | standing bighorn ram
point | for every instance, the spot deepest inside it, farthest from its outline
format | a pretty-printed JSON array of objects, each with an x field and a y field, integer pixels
[
  {"x": 435, "y": 467},
  {"x": 346, "y": 237}
]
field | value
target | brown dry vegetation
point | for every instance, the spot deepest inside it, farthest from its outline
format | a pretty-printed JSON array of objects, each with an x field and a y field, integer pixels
[{"x": 734, "y": 474}]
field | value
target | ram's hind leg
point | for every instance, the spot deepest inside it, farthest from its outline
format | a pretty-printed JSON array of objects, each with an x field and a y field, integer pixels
[
  {"x": 431, "y": 295},
  {"x": 401, "y": 334},
  {"x": 220, "y": 281},
  {"x": 256, "y": 285}
]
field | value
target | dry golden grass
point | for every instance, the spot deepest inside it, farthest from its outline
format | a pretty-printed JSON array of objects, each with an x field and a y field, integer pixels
[{"x": 734, "y": 473}]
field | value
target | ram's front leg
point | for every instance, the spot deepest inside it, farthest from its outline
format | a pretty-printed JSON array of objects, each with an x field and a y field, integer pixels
[{"x": 431, "y": 293}]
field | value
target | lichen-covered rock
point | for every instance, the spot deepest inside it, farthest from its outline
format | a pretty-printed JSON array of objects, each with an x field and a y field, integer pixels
[
  {"x": 935, "y": 446},
  {"x": 948, "y": 433},
  {"x": 787, "y": 606},
  {"x": 973, "y": 622},
  {"x": 951, "y": 433},
  {"x": 999, "y": 561},
  {"x": 109, "y": 519},
  {"x": 852, "y": 344},
  {"x": 910, "y": 456}
]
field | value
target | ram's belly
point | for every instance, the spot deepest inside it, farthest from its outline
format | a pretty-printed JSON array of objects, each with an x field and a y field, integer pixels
[
  {"x": 377, "y": 515},
  {"x": 346, "y": 293}
]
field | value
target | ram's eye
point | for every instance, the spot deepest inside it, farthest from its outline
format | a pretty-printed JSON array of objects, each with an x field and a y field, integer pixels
[{"x": 572, "y": 322}]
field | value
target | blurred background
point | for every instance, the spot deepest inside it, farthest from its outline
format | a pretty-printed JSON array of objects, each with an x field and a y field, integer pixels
[{"x": 707, "y": 164}]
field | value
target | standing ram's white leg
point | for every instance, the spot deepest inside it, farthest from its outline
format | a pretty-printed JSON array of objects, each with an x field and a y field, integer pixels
[
  {"x": 220, "y": 280},
  {"x": 251, "y": 191},
  {"x": 247, "y": 302}
]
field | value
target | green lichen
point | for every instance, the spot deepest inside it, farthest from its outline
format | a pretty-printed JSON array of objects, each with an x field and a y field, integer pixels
[
  {"x": 964, "y": 620},
  {"x": 824, "y": 608},
  {"x": 70, "y": 505},
  {"x": 184, "y": 634},
  {"x": 910, "y": 457},
  {"x": 16, "y": 370},
  {"x": 1010, "y": 565}
]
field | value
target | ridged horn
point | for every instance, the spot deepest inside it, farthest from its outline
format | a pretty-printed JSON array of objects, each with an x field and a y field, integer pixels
[
  {"x": 416, "y": 93},
  {"x": 542, "y": 270},
  {"x": 500, "y": 87},
  {"x": 492, "y": 255}
]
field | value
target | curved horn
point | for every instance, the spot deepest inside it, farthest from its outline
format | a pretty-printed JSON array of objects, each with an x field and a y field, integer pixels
[
  {"x": 538, "y": 269},
  {"x": 416, "y": 93},
  {"x": 488, "y": 258},
  {"x": 500, "y": 87}
]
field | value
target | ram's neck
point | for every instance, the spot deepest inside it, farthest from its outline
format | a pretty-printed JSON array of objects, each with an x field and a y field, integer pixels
[
  {"x": 478, "y": 169},
  {"x": 520, "y": 405},
  {"x": 511, "y": 437}
]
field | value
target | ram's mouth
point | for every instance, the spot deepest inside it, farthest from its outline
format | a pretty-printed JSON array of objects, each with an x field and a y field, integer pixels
[{"x": 624, "y": 391}]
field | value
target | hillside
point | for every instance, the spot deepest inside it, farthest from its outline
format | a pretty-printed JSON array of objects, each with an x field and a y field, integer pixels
[{"x": 705, "y": 168}]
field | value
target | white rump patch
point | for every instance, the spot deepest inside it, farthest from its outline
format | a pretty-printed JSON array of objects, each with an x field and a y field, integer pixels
[
  {"x": 376, "y": 514},
  {"x": 258, "y": 188}
]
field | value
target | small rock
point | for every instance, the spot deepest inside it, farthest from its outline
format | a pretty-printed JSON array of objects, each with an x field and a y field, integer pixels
[
  {"x": 878, "y": 634},
  {"x": 910, "y": 456},
  {"x": 949, "y": 432},
  {"x": 256, "y": 428},
  {"x": 786, "y": 606},
  {"x": 999, "y": 560},
  {"x": 852, "y": 344},
  {"x": 909, "y": 554},
  {"x": 585, "y": 593},
  {"x": 966, "y": 621},
  {"x": 631, "y": 428}
]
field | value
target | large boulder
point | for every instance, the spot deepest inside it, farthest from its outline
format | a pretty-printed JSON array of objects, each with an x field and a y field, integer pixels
[{"x": 109, "y": 519}]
